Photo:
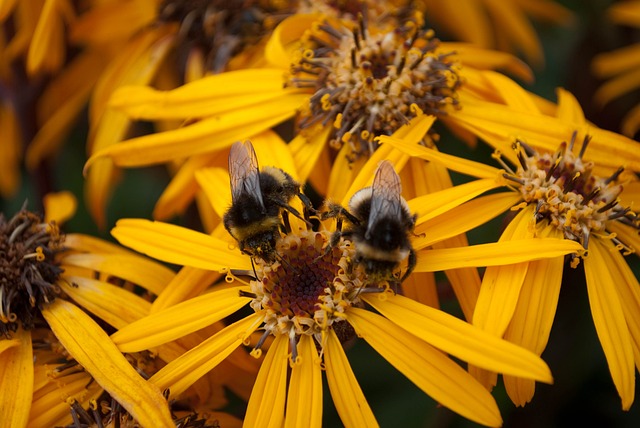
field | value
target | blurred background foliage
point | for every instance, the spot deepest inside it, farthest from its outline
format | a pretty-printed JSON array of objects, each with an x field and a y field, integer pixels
[{"x": 583, "y": 391}]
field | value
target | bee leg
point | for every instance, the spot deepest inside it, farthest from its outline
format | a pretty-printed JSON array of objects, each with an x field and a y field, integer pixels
[
  {"x": 338, "y": 212},
  {"x": 307, "y": 206},
  {"x": 295, "y": 212},
  {"x": 411, "y": 264},
  {"x": 285, "y": 222}
]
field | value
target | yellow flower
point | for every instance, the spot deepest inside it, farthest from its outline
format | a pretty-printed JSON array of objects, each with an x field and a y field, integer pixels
[
  {"x": 558, "y": 196},
  {"x": 307, "y": 303},
  {"x": 41, "y": 271},
  {"x": 621, "y": 66},
  {"x": 497, "y": 24},
  {"x": 235, "y": 105}
]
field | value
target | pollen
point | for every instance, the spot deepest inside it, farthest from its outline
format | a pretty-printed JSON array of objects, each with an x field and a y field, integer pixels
[
  {"x": 222, "y": 29},
  {"x": 568, "y": 194},
  {"x": 28, "y": 267},
  {"x": 365, "y": 82},
  {"x": 309, "y": 287}
]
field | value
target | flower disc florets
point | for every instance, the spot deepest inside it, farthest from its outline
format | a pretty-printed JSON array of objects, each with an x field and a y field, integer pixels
[
  {"x": 371, "y": 83},
  {"x": 221, "y": 29},
  {"x": 568, "y": 194},
  {"x": 28, "y": 269},
  {"x": 308, "y": 290}
]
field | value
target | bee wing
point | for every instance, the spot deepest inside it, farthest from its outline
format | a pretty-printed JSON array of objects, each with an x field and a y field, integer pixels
[
  {"x": 386, "y": 198},
  {"x": 244, "y": 172}
]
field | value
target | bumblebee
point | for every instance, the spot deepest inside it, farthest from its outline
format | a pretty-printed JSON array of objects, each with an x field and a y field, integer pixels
[
  {"x": 378, "y": 223},
  {"x": 259, "y": 203}
]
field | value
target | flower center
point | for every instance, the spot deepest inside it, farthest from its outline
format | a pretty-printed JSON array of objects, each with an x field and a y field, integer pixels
[
  {"x": 366, "y": 84},
  {"x": 567, "y": 193},
  {"x": 222, "y": 29},
  {"x": 308, "y": 289},
  {"x": 28, "y": 270}
]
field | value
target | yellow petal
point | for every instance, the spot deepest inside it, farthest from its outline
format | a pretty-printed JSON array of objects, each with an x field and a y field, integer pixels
[
  {"x": 183, "y": 186},
  {"x": 347, "y": 396},
  {"x": 631, "y": 122},
  {"x": 307, "y": 148},
  {"x": 304, "y": 398},
  {"x": 185, "y": 370},
  {"x": 512, "y": 21},
  {"x": 179, "y": 245},
  {"x": 485, "y": 59},
  {"x": 100, "y": 298},
  {"x": 204, "y": 136},
  {"x": 618, "y": 61},
  {"x": 271, "y": 150},
  {"x": 608, "y": 316},
  {"x": 266, "y": 405},
  {"x": 59, "y": 206},
  {"x": 139, "y": 270},
  {"x": 437, "y": 203},
  {"x": 617, "y": 87},
  {"x": 209, "y": 96},
  {"x": 194, "y": 314},
  {"x": 461, "y": 219},
  {"x": 90, "y": 346},
  {"x": 533, "y": 317},
  {"x": 459, "y": 338},
  {"x": 16, "y": 378},
  {"x": 215, "y": 184},
  {"x": 629, "y": 290},
  {"x": 454, "y": 163},
  {"x": 91, "y": 244},
  {"x": 288, "y": 31},
  {"x": 98, "y": 188},
  {"x": 431, "y": 370},
  {"x": 421, "y": 287},
  {"x": 495, "y": 254},
  {"x": 46, "y": 50},
  {"x": 188, "y": 282},
  {"x": 6, "y": 7}
]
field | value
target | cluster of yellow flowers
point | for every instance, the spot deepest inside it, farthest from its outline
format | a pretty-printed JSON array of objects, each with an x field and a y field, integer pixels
[{"x": 327, "y": 160}]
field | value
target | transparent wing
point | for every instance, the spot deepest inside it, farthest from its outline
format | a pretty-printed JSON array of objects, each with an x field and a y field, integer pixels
[
  {"x": 244, "y": 172},
  {"x": 386, "y": 199}
]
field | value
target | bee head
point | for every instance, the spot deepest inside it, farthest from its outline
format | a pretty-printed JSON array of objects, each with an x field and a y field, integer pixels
[{"x": 261, "y": 245}]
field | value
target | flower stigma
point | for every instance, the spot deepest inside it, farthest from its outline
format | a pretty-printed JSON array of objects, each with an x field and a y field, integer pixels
[
  {"x": 369, "y": 84},
  {"x": 569, "y": 195},
  {"x": 29, "y": 269}
]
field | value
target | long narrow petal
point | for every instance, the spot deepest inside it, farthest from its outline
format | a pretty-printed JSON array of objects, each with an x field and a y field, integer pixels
[
  {"x": 304, "y": 398},
  {"x": 208, "y": 96},
  {"x": 188, "y": 282},
  {"x": 459, "y": 338},
  {"x": 90, "y": 346},
  {"x": 185, "y": 370},
  {"x": 495, "y": 254},
  {"x": 215, "y": 184},
  {"x": 267, "y": 402},
  {"x": 454, "y": 163},
  {"x": 533, "y": 317},
  {"x": 100, "y": 298},
  {"x": 194, "y": 314},
  {"x": 434, "y": 204},
  {"x": 143, "y": 272},
  {"x": 179, "y": 245},
  {"x": 629, "y": 289},
  {"x": 307, "y": 148},
  {"x": 463, "y": 218},
  {"x": 608, "y": 317},
  {"x": 347, "y": 396},
  {"x": 207, "y": 135},
  {"x": 432, "y": 371},
  {"x": 16, "y": 378}
]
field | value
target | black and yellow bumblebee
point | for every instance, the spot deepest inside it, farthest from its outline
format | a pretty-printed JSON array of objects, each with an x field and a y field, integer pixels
[
  {"x": 259, "y": 203},
  {"x": 379, "y": 223}
]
